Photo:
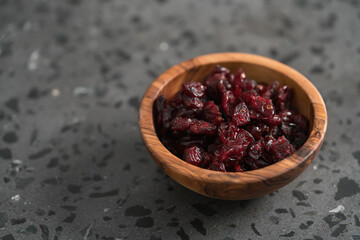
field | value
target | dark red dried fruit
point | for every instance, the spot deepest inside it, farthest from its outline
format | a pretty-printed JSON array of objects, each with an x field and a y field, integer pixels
[
  {"x": 281, "y": 148},
  {"x": 283, "y": 98},
  {"x": 192, "y": 102},
  {"x": 230, "y": 123},
  {"x": 270, "y": 90},
  {"x": 248, "y": 85},
  {"x": 255, "y": 149},
  {"x": 193, "y": 155},
  {"x": 194, "y": 89},
  {"x": 211, "y": 113},
  {"x": 257, "y": 130},
  {"x": 228, "y": 102},
  {"x": 217, "y": 166},
  {"x": 263, "y": 106},
  {"x": 241, "y": 115},
  {"x": 202, "y": 127},
  {"x": 180, "y": 124}
]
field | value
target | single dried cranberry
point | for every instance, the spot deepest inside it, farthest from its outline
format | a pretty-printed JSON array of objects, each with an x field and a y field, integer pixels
[
  {"x": 193, "y": 89},
  {"x": 282, "y": 148},
  {"x": 192, "y": 102},
  {"x": 294, "y": 133},
  {"x": 223, "y": 85},
  {"x": 236, "y": 145},
  {"x": 228, "y": 132},
  {"x": 187, "y": 141},
  {"x": 269, "y": 140},
  {"x": 211, "y": 82},
  {"x": 300, "y": 121},
  {"x": 263, "y": 106},
  {"x": 257, "y": 130},
  {"x": 241, "y": 115},
  {"x": 273, "y": 120},
  {"x": 211, "y": 113},
  {"x": 185, "y": 112},
  {"x": 286, "y": 116},
  {"x": 270, "y": 90},
  {"x": 248, "y": 85},
  {"x": 228, "y": 102},
  {"x": 283, "y": 98},
  {"x": 202, "y": 127},
  {"x": 224, "y": 71},
  {"x": 275, "y": 131},
  {"x": 207, "y": 160},
  {"x": 235, "y": 149},
  {"x": 260, "y": 88},
  {"x": 255, "y": 149},
  {"x": 193, "y": 155},
  {"x": 180, "y": 124},
  {"x": 217, "y": 166},
  {"x": 239, "y": 77}
]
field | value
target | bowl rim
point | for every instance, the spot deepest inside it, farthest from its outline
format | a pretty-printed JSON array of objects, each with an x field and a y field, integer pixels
[{"x": 163, "y": 156}]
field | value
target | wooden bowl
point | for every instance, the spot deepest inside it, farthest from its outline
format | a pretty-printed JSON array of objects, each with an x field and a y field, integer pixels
[{"x": 235, "y": 185}]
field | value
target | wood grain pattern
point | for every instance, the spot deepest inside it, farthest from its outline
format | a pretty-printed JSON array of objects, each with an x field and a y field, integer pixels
[{"x": 240, "y": 185}]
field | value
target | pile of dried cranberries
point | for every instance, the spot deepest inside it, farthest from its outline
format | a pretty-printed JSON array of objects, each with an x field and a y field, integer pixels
[{"x": 230, "y": 123}]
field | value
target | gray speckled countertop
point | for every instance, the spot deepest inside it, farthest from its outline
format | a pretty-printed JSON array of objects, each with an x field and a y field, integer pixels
[{"x": 72, "y": 163}]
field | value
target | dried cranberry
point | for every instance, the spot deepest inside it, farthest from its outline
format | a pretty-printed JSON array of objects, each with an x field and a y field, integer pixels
[
  {"x": 283, "y": 98},
  {"x": 224, "y": 71},
  {"x": 202, "y": 127},
  {"x": 193, "y": 155},
  {"x": 248, "y": 85},
  {"x": 255, "y": 149},
  {"x": 228, "y": 132},
  {"x": 180, "y": 124},
  {"x": 192, "y": 102},
  {"x": 275, "y": 131},
  {"x": 236, "y": 149},
  {"x": 185, "y": 112},
  {"x": 260, "y": 88},
  {"x": 217, "y": 166},
  {"x": 294, "y": 133},
  {"x": 270, "y": 90},
  {"x": 228, "y": 102},
  {"x": 211, "y": 113},
  {"x": 263, "y": 106},
  {"x": 282, "y": 148},
  {"x": 241, "y": 115},
  {"x": 300, "y": 121},
  {"x": 223, "y": 85},
  {"x": 257, "y": 130},
  {"x": 194, "y": 89},
  {"x": 186, "y": 142},
  {"x": 273, "y": 120}
]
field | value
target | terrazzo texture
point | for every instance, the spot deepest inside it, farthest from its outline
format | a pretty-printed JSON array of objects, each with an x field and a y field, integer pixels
[{"x": 72, "y": 162}]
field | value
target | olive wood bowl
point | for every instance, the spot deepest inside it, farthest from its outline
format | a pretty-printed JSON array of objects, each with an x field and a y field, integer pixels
[{"x": 235, "y": 185}]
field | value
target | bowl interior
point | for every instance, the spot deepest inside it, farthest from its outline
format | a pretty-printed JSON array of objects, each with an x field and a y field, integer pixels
[
  {"x": 235, "y": 185},
  {"x": 259, "y": 73}
]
